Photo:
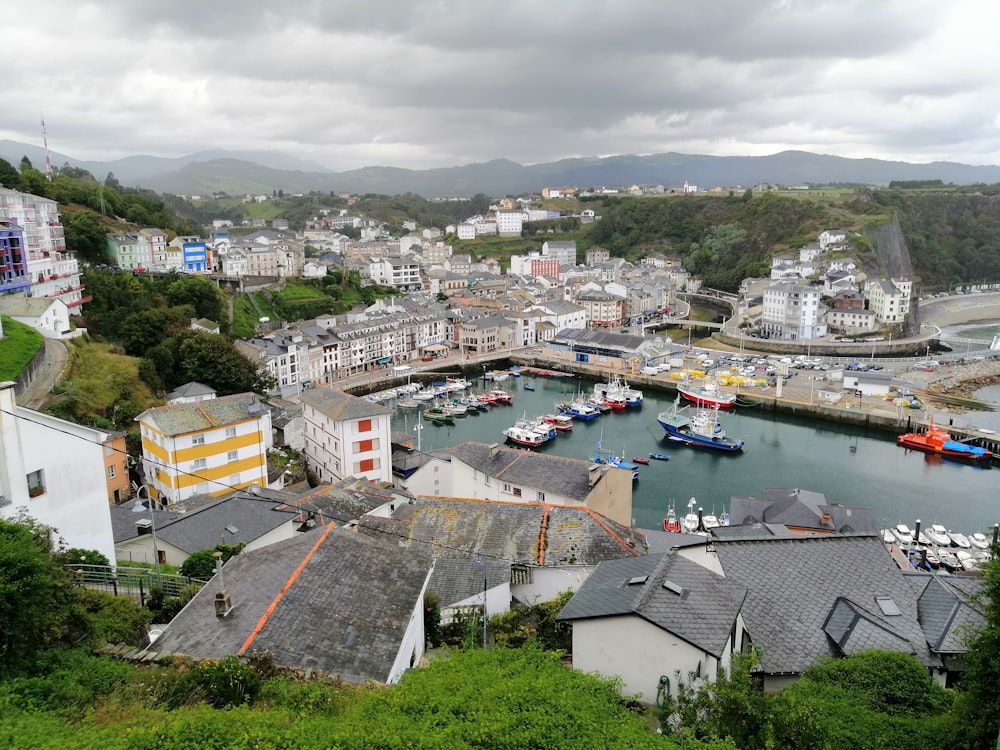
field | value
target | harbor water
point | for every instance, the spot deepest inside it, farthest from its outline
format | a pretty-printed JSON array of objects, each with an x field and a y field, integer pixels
[{"x": 851, "y": 466}]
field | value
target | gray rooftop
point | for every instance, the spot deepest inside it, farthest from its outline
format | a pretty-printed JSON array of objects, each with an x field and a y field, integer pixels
[
  {"x": 191, "y": 390},
  {"x": 569, "y": 477},
  {"x": 344, "y": 613},
  {"x": 804, "y": 509},
  {"x": 798, "y": 589},
  {"x": 178, "y": 419},
  {"x": 338, "y": 406},
  {"x": 667, "y": 590}
]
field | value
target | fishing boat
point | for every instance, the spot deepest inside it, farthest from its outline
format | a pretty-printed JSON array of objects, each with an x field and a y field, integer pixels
[
  {"x": 671, "y": 523},
  {"x": 939, "y": 442},
  {"x": 659, "y": 456},
  {"x": 707, "y": 394},
  {"x": 617, "y": 393},
  {"x": 562, "y": 422},
  {"x": 700, "y": 428},
  {"x": 581, "y": 410},
  {"x": 691, "y": 521},
  {"x": 524, "y": 436},
  {"x": 499, "y": 396},
  {"x": 604, "y": 456},
  {"x": 437, "y": 414}
]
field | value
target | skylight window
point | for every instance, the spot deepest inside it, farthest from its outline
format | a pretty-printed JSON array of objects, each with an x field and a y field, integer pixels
[
  {"x": 888, "y": 606},
  {"x": 673, "y": 588},
  {"x": 637, "y": 580},
  {"x": 232, "y": 529}
]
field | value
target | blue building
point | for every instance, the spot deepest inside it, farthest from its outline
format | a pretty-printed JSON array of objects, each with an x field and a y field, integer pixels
[
  {"x": 14, "y": 276},
  {"x": 195, "y": 257}
]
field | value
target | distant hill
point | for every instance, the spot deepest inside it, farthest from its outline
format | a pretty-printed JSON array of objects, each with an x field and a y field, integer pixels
[{"x": 263, "y": 172}]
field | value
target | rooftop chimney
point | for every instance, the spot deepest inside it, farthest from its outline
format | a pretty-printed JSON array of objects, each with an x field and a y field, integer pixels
[
  {"x": 494, "y": 450},
  {"x": 593, "y": 475}
]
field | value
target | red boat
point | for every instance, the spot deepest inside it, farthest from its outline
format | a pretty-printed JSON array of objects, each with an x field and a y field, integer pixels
[
  {"x": 939, "y": 442},
  {"x": 640, "y": 460},
  {"x": 707, "y": 394},
  {"x": 672, "y": 522}
]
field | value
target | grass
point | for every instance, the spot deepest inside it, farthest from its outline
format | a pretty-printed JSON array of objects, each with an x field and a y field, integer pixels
[
  {"x": 101, "y": 380},
  {"x": 294, "y": 291},
  {"x": 19, "y": 344}
]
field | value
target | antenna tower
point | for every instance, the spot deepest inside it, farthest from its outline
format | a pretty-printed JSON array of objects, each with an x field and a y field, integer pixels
[{"x": 48, "y": 156}]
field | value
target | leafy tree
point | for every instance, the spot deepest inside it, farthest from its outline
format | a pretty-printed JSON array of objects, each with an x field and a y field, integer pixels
[
  {"x": 201, "y": 564},
  {"x": 111, "y": 182},
  {"x": 213, "y": 360},
  {"x": 86, "y": 236},
  {"x": 34, "y": 182},
  {"x": 25, "y": 163},
  {"x": 36, "y": 592},
  {"x": 978, "y": 703},
  {"x": 78, "y": 556},
  {"x": 9, "y": 176},
  {"x": 143, "y": 330},
  {"x": 199, "y": 293}
]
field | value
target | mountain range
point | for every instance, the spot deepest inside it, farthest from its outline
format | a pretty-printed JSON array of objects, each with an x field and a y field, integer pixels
[{"x": 239, "y": 173}]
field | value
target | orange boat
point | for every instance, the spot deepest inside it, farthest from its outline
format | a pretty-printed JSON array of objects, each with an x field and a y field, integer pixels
[{"x": 939, "y": 442}]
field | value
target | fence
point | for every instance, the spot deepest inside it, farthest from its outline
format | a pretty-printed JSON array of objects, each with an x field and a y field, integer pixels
[{"x": 136, "y": 583}]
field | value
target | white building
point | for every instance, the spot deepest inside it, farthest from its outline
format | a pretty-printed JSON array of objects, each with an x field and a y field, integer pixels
[
  {"x": 509, "y": 223},
  {"x": 564, "y": 251},
  {"x": 394, "y": 271},
  {"x": 50, "y": 317},
  {"x": 889, "y": 299},
  {"x": 832, "y": 237},
  {"x": 792, "y": 311},
  {"x": 54, "y": 270},
  {"x": 56, "y": 471},
  {"x": 346, "y": 436}
]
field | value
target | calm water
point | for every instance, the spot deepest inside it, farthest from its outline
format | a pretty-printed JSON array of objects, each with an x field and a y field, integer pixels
[{"x": 850, "y": 466}]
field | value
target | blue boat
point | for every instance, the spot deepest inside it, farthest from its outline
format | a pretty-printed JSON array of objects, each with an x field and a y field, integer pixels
[
  {"x": 528, "y": 386},
  {"x": 700, "y": 428},
  {"x": 660, "y": 456}
]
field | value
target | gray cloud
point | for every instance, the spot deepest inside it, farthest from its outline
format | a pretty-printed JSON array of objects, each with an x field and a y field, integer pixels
[{"x": 427, "y": 83}]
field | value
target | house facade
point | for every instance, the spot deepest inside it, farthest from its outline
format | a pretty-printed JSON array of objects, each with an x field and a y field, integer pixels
[
  {"x": 55, "y": 471},
  {"x": 889, "y": 299},
  {"x": 205, "y": 448},
  {"x": 792, "y": 312},
  {"x": 346, "y": 436}
]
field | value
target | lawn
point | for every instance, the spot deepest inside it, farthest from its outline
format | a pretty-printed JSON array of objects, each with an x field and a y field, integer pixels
[{"x": 19, "y": 344}]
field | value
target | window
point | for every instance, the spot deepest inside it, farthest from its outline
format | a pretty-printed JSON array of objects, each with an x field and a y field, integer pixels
[
  {"x": 112, "y": 473},
  {"x": 234, "y": 479},
  {"x": 198, "y": 463},
  {"x": 366, "y": 446},
  {"x": 36, "y": 483},
  {"x": 517, "y": 492},
  {"x": 540, "y": 497},
  {"x": 230, "y": 432},
  {"x": 486, "y": 479},
  {"x": 232, "y": 456},
  {"x": 198, "y": 440},
  {"x": 364, "y": 425},
  {"x": 368, "y": 464},
  {"x": 506, "y": 488}
]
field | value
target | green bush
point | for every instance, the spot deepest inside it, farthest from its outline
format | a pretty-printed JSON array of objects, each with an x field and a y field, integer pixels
[
  {"x": 114, "y": 619},
  {"x": 64, "y": 681},
  {"x": 227, "y": 682},
  {"x": 432, "y": 619}
]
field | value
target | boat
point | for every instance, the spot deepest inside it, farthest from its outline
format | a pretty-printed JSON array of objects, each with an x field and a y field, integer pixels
[
  {"x": 581, "y": 410},
  {"x": 455, "y": 409},
  {"x": 603, "y": 456},
  {"x": 407, "y": 403},
  {"x": 671, "y": 523},
  {"x": 724, "y": 519},
  {"x": 562, "y": 422},
  {"x": 640, "y": 460},
  {"x": 700, "y": 428},
  {"x": 938, "y": 535},
  {"x": 979, "y": 540},
  {"x": 424, "y": 395},
  {"x": 966, "y": 560},
  {"x": 691, "y": 521},
  {"x": 499, "y": 396},
  {"x": 710, "y": 521},
  {"x": 529, "y": 386},
  {"x": 888, "y": 537},
  {"x": 939, "y": 442},
  {"x": 708, "y": 394},
  {"x": 524, "y": 436},
  {"x": 959, "y": 540},
  {"x": 617, "y": 393},
  {"x": 948, "y": 561},
  {"x": 659, "y": 456},
  {"x": 903, "y": 534},
  {"x": 437, "y": 414}
]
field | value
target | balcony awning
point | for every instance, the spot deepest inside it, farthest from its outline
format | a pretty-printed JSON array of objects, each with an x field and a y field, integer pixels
[{"x": 436, "y": 348}]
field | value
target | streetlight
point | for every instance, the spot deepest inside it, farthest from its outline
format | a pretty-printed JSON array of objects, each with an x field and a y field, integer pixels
[
  {"x": 139, "y": 507},
  {"x": 480, "y": 564}
]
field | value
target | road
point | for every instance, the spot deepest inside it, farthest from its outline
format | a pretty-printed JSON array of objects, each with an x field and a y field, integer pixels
[{"x": 38, "y": 392}]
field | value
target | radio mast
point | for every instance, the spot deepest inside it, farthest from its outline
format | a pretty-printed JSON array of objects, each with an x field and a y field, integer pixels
[{"x": 48, "y": 156}]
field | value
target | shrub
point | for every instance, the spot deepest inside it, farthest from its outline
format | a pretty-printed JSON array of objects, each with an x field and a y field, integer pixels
[
  {"x": 114, "y": 619},
  {"x": 432, "y": 619},
  {"x": 227, "y": 682}
]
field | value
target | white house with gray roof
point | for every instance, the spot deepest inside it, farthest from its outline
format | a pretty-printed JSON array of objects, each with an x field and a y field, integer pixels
[
  {"x": 346, "y": 436},
  {"x": 47, "y": 315},
  {"x": 498, "y": 473}
]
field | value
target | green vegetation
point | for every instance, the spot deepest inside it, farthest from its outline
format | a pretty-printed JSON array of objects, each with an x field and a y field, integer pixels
[{"x": 19, "y": 344}]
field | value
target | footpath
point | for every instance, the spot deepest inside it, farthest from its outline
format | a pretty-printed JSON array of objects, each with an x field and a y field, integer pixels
[{"x": 39, "y": 390}]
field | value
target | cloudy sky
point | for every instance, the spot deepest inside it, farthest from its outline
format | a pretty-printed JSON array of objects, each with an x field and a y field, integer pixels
[{"x": 429, "y": 83}]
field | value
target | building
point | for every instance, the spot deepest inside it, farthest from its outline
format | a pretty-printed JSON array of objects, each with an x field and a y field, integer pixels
[
  {"x": 603, "y": 309},
  {"x": 14, "y": 275},
  {"x": 497, "y": 473},
  {"x": 889, "y": 299},
  {"x": 128, "y": 251},
  {"x": 534, "y": 264},
  {"x": 155, "y": 246},
  {"x": 792, "y": 312},
  {"x": 54, "y": 271},
  {"x": 330, "y": 601},
  {"x": 561, "y": 250},
  {"x": 509, "y": 223},
  {"x": 346, "y": 436},
  {"x": 490, "y": 333},
  {"x": 205, "y": 447},
  {"x": 394, "y": 271},
  {"x": 48, "y": 316},
  {"x": 56, "y": 472}
]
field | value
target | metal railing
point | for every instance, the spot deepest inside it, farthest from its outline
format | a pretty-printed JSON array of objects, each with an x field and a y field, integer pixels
[{"x": 136, "y": 583}]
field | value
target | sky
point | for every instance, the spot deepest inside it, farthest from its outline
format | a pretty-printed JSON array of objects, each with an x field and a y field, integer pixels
[{"x": 437, "y": 83}]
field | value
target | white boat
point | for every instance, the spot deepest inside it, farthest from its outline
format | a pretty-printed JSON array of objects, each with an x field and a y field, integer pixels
[
  {"x": 938, "y": 535},
  {"x": 888, "y": 537},
  {"x": 424, "y": 395},
  {"x": 689, "y": 524},
  {"x": 959, "y": 540},
  {"x": 966, "y": 560},
  {"x": 979, "y": 540},
  {"x": 524, "y": 436},
  {"x": 710, "y": 522},
  {"x": 903, "y": 534}
]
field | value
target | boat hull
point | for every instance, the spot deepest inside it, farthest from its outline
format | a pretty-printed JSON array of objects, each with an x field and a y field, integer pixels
[
  {"x": 718, "y": 400},
  {"x": 680, "y": 434},
  {"x": 917, "y": 442}
]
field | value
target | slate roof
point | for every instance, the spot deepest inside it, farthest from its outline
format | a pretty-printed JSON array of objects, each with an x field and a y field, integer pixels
[
  {"x": 947, "y": 612},
  {"x": 240, "y": 518},
  {"x": 802, "y": 509},
  {"x": 190, "y": 390},
  {"x": 339, "y": 406},
  {"x": 525, "y": 533},
  {"x": 178, "y": 419},
  {"x": 19, "y": 305},
  {"x": 667, "y": 590},
  {"x": 794, "y": 586},
  {"x": 345, "y": 613},
  {"x": 569, "y": 477}
]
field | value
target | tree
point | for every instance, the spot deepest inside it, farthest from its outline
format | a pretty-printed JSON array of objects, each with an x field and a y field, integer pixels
[
  {"x": 25, "y": 163},
  {"x": 111, "y": 182},
  {"x": 201, "y": 564},
  {"x": 86, "y": 237},
  {"x": 978, "y": 703},
  {"x": 36, "y": 592},
  {"x": 214, "y": 361},
  {"x": 199, "y": 293},
  {"x": 34, "y": 182},
  {"x": 143, "y": 330},
  {"x": 9, "y": 177}
]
